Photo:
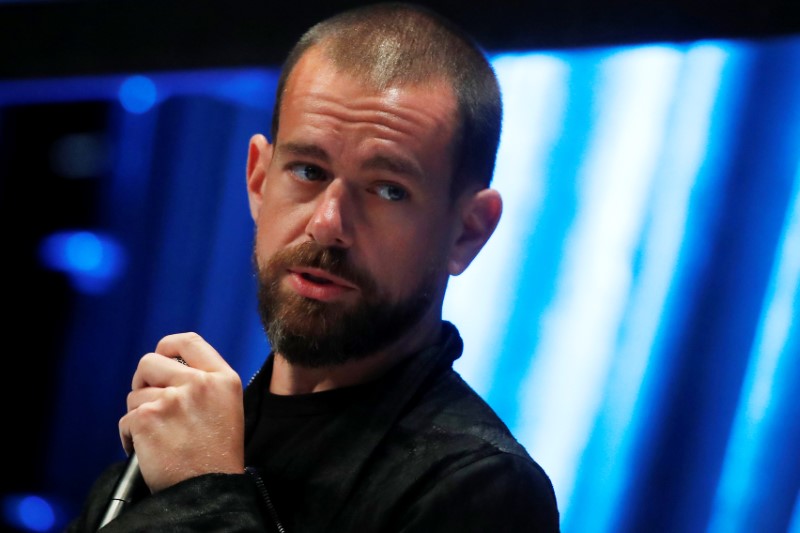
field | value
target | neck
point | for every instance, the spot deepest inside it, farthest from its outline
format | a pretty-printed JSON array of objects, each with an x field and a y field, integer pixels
[{"x": 289, "y": 379}]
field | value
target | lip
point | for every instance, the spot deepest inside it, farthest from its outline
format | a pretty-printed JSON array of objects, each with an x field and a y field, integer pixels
[{"x": 324, "y": 286}]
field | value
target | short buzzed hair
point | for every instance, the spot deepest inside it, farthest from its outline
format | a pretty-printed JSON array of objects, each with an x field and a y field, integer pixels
[{"x": 395, "y": 44}]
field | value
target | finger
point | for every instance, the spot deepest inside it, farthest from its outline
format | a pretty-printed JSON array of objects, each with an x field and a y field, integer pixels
[
  {"x": 147, "y": 409},
  {"x": 155, "y": 370},
  {"x": 125, "y": 434},
  {"x": 136, "y": 398},
  {"x": 128, "y": 426},
  {"x": 195, "y": 351}
]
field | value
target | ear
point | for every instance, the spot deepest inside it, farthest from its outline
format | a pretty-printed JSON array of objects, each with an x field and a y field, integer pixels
[
  {"x": 479, "y": 217},
  {"x": 259, "y": 156}
]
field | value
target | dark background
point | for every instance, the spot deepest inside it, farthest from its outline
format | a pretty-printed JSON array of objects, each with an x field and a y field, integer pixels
[
  {"x": 69, "y": 38},
  {"x": 40, "y": 39}
]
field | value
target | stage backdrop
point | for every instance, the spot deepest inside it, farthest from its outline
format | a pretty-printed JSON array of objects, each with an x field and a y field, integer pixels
[{"x": 634, "y": 319}]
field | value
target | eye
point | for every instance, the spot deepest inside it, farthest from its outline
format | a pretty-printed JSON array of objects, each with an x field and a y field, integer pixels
[
  {"x": 390, "y": 192},
  {"x": 306, "y": 172}
]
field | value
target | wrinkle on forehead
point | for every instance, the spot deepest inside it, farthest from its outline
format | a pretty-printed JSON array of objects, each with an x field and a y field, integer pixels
[
  {"x": 380, "y": 77},
  {"x": 321, "y": 97},
  {"x": 315, "y": 84}
]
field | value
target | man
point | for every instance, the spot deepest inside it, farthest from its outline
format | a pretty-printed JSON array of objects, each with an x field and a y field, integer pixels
[{"x": 372, "y": 192}]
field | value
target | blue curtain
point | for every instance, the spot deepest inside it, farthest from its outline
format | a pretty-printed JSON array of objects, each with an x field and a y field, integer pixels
[{"x": 633, "y": 319}]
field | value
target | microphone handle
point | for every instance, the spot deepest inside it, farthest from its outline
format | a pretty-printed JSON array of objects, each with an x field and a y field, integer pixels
[{"x": 127, "y": 484}]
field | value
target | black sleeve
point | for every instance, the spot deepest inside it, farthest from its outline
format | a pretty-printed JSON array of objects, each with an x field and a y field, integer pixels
[
  {"x": 211, "y": 502},
  {"x": 95, "y": 504}
]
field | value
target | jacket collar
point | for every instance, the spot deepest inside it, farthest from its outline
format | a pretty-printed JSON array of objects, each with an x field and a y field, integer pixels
[{"x": 374, "y": 417}]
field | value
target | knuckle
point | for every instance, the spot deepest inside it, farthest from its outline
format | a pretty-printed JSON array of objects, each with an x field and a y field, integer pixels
[{"x": 192, "y": 337}]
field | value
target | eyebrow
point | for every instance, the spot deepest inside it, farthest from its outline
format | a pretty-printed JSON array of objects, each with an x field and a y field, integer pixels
[
  {"x": 304, "y": 150},
  {"x": 395, "y": 165}
]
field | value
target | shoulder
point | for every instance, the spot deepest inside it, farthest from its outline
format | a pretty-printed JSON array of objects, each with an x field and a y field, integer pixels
[
  {"x": 448, "y": 409},
  {"x": 446, "y": 405},
  {"x": 479, "y": 476},
  {"x": 450, "y": 424}
]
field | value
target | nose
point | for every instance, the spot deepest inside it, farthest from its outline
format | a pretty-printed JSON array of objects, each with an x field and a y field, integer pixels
[{"x": 330, "y": 223}]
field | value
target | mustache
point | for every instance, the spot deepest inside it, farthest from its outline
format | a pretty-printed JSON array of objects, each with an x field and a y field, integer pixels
[{"x": 331, "y": 259}]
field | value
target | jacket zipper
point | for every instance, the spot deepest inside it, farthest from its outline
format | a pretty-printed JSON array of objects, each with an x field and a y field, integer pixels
[{"x": 262, "y": 489}]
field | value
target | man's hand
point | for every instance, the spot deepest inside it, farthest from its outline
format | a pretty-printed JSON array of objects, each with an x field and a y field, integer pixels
[{"x": 184, "y": 420}]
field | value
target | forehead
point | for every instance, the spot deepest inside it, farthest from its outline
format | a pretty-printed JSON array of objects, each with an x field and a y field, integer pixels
[
  {"x": 321, "y": 99},
  {"x": 316, "y": 73}
]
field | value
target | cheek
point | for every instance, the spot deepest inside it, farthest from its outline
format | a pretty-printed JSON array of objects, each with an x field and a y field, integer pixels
[
  {"x": 278, "y": 225},
  {"x": 408, "y": 258}
]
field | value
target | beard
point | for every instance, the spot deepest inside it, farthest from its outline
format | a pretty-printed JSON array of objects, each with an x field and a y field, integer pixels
[{"x": 314, "y": 334}]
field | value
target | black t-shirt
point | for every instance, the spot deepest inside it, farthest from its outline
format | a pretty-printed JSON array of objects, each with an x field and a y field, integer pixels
[
  {"x": 417, "y": 449},
  {"x": 293, "y": 433}
]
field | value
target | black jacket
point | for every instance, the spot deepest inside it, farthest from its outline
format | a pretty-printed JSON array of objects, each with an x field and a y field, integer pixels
[{"x": 415, "y": 451}]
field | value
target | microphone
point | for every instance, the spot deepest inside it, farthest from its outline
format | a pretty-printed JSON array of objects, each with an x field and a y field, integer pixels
[{"x": 127, "y": 485}]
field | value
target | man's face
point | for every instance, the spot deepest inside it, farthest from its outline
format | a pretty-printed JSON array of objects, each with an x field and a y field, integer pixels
[{"x": 354, "y": 219}]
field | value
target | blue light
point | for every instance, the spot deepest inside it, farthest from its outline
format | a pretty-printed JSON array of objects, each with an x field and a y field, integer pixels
[
  {"x": 93, "y": 261},
  {"x": 84, "y": 251},
  {"x": 30, "y": 512},
  {"x": 794, "y": 527},
  {"x": 759, "y": 402},
  {"x": 137, "y": 94}
]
